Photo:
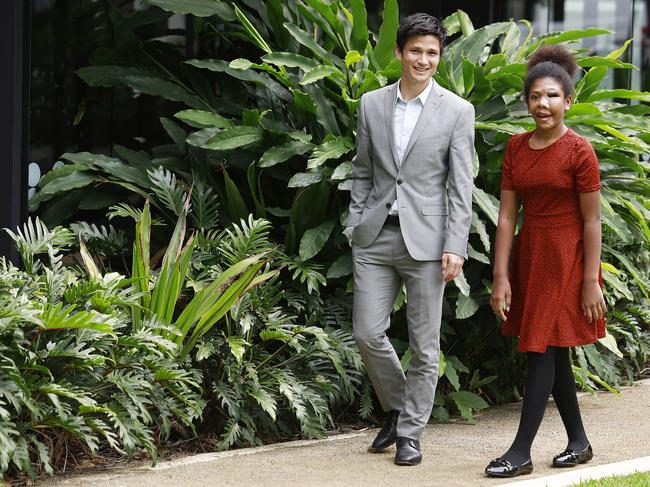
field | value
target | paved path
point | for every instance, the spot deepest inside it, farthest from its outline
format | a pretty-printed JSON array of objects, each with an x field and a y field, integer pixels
[{"x": 455, "y": 454}]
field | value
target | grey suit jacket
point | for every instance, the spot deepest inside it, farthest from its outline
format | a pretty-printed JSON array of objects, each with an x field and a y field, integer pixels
[{"x": 433, "y": 183}]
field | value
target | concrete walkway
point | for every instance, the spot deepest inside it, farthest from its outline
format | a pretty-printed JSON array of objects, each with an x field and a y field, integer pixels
[{"x": 455, "y": 454}]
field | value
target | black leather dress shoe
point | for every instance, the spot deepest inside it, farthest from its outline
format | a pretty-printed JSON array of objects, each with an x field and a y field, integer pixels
[
  {"x": 503, "y": 468},
  {"x": 570, "y": 458},
  {"x": 387, "y": 434},
  {"x": 408, "y": 451}
]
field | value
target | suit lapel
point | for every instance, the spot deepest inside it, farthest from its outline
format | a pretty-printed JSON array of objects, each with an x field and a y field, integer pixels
[
  {"x": 389, "y": 117},
  {"x": 430, "y": 107}
]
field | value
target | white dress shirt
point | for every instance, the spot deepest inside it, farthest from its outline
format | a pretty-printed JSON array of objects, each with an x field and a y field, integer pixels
[{"x": 407, "y": 114}]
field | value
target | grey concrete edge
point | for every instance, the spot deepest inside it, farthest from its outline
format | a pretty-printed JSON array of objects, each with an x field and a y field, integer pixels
[
  {"x": 626, "y": 467},
  {"x": 215, "y": 456}
]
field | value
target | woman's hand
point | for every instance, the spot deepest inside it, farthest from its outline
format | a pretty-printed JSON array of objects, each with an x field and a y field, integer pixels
[
  {"x": 500, "y": 299},
  {"x": 593, "y": 302}
]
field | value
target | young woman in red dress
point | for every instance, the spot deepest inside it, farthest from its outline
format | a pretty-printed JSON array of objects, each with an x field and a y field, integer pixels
[{"x": 549, "y": 294}]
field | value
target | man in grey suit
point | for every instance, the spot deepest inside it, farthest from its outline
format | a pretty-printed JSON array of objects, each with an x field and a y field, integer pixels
[{"x": 409, "y": 218}]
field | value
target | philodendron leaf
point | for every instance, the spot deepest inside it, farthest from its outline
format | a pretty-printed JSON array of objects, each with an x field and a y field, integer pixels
[
  {"x": 321, "y": 72},
  {"x": 284, "y": 152},
  {"x": 341, "y": 266},
  {"x": 234, "y": 138},
  {"x": 466, "y": 306},
  {"x": 237, "y": 346},
  {"x": 203, "y": 119},
  {"x": 314, "y": 239},
  {"x": 383, "y": 52},
  {"x": 332, "y": 149},
  {"x": 198, "y": 8}
]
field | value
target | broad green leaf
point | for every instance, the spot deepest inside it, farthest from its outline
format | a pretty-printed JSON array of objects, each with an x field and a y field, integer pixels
[
  {"x": 234, "y": 138},
  {"x": 569, "y": 35},
  {"x": 235, "y": 204},
  {"x": 203, "y": 118},
  {"x": 291, "y": 60},
  {"x": 359, "y": 25},
  {"x": 384, "y": 50},
  {"x": 314, "y": 239},
  {"x": 620, "y": 93},
  {"x": 332, "y": 149},
  {"x": 177, "y": 134},
  {"x": 488, "y": 203},
  {"x": 110, "y": 75},
  {"x": 284, "y": 152},
  {"x": 352, "y": 57},
  {"x": 321, "y": 72},
  {"x": 343, "y": 171},
  {"x": 609, "y": 342},
  {"x": 254, "y": 35},
  {"x": 156, "y": 86},
  {"x": 462, "y": 284},
  {"x": 466, "y": 306},
  {"x": 615, "y": 54},
  {"x": 237, "y": 347},
  {"x": 304, "y": 102},
  {"x": 342, "y": 266},
  {"x": 308, "y": 41},
  {"x": 66, "y": 182},
  {"x": 265, "y": 400},
  {"x": 198, "y": 8}
]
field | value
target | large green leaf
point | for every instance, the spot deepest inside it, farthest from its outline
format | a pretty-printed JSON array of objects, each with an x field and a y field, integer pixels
[
  {"x": 291, "y": 60},
  {"x": 341, "y": 267},
  {"x": 332, "y": 149},
  {"x": 198, "y": 8},
  {"x": 284, "y": 152},
  {"x": 383, "y": 52},
  {"x": 234, "y": 138},
  {"x": 314, "y": 239},
  {"x": 321, "y": 72},
  {"x": 66, "y": 182},
  {"x": 620, "y": 93},
  {"x": 203, "y": 118},
  {"x": 359, "y": 25}
]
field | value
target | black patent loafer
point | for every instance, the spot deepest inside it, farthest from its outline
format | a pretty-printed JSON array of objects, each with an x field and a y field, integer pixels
[
  {"x": 408, "y": 452},
  {"x": 570, "y": 458},
  {"x": 387, "y": 434},
  {"x": 503, "y": 468}
]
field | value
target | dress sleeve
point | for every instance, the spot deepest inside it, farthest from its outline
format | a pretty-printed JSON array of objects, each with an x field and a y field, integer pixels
[
  {"x": 506, "y": 170},
  {"x": 587, "y": 174}
]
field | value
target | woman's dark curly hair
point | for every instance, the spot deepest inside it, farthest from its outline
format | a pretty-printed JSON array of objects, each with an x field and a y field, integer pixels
[{"x": 552, "y": 61}]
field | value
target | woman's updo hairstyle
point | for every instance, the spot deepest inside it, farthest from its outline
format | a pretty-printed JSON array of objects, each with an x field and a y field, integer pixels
[{"x": 551, "y": 61}]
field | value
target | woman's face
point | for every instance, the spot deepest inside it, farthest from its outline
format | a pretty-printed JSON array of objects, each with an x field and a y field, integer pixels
[{"x": 547, "y": 103}]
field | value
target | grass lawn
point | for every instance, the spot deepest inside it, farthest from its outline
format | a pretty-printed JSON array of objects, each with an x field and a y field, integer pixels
[{"x": 635, "y": 480}]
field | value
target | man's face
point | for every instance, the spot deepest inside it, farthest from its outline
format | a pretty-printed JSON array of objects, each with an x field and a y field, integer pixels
[{"x": 420, "y": 58}]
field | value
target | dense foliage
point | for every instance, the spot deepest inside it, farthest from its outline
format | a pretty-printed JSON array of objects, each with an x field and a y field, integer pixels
[{"x": 264, "y": 124}]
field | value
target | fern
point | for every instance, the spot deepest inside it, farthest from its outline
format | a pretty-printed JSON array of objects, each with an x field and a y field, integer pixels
[
  {"x": 101, "y": 240},
  {"x": 246, "y": 239},
  {"x": 205, "y": 204},
  {"x": 165, "y": 187}
]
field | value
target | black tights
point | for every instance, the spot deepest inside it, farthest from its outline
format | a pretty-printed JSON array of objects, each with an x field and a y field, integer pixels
[{"x": 547, "y": 372}]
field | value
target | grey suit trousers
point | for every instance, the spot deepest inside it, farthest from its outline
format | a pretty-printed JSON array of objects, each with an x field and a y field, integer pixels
[{"x": 379, "y": 271}]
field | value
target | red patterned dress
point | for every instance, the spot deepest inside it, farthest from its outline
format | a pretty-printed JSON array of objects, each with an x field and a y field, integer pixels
[{"x": 546, "y": 270}]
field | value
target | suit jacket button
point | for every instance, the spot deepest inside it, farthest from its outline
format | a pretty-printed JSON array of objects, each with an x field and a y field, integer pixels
[
  {"x": 399, "y": 181},
  {"x": 388, "y": 205}
]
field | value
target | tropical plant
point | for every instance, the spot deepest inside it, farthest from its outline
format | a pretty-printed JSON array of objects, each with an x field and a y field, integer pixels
[
  {"x": 73, "y": 374},
  {"x": 290, "y": 76}
]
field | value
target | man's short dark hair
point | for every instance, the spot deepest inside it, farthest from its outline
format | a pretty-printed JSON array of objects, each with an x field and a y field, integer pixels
[{"x": 420, "y": 24}]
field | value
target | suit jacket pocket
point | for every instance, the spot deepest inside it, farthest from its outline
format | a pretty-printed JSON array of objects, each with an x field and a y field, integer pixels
[{"x": 435, "y": 210}]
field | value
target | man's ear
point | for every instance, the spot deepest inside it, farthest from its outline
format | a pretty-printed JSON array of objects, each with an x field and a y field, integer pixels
[{"x": 398, "y": 52}]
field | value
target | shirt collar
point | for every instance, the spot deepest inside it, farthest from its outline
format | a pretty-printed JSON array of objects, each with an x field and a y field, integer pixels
[{"x": 422, "y": 96}]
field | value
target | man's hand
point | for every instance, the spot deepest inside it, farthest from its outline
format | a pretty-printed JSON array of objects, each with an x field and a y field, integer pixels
[{"x": 452, "y": 264}]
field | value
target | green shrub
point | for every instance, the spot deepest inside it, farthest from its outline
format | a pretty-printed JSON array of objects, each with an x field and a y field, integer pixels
[{"x": 289, "y": 76}]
